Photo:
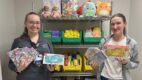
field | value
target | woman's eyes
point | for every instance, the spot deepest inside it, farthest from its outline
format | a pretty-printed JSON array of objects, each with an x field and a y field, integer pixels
[
  {"x": 115, "y": 23},
  {"x": 34, "y": 22}
]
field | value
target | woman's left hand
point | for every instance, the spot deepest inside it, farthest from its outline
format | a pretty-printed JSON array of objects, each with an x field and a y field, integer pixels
[
  {"x": 122, "y": 59},
  {"x": 51, "y": 67}
]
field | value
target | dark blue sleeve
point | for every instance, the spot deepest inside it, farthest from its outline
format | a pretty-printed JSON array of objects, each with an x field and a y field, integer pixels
[{"x": 50, "y": 46}]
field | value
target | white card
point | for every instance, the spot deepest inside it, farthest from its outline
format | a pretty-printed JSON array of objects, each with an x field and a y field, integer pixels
[{"x": 51, "y": 58}]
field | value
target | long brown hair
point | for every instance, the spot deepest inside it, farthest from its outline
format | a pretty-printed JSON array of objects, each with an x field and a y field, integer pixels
[
  {"x": 25, "y": 33},
  {"x": 123, "y": 18}
]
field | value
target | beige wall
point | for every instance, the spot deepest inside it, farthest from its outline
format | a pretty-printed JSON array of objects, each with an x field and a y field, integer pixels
[
  {"x": 21, "y": 8},
  {"x": 7, "y": 33},
  {"x": 0, "y": 71},
  {"x": 135, "y": 30}
]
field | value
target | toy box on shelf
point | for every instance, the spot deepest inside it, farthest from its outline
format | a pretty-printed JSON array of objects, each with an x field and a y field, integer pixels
[
  {"x": 93, "y": 35},
  {"x": 86, "y": 67},
  {"x": 58, "y": 68},
  {"x": 53, "y": 36},
  {"x": 71, "y": 36},
  {"x": 72, "y": 63},
  {"x": 46, "y": 34},
  {"x": 56, "y": 36}
]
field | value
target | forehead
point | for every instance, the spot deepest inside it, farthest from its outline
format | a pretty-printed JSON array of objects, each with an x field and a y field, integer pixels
[
  {"x": 116, "y": 19},
  {"x": 33, "y": 17}
]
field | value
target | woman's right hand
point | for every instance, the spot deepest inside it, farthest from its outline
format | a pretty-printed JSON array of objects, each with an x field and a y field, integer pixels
[{"x": 94, "y": 64}]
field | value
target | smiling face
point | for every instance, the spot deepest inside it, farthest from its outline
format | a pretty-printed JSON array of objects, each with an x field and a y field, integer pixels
[
  {"x": 117, "y": 26},
  {"x": 33, "y": 24}
]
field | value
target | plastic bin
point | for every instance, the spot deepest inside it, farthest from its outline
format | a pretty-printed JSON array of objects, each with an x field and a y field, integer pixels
[
  {"x": 58, "y": 68},
  {"x": 56, "y": 37},
  {"x": 85, "y": 66},
  {"x": 56, "y": 40},
  {"x": 47, "y": 34},
  {"x": 74, "y": 67},
  {"x": 71, "y": 40},
  {"x": 92, "y": 39}
]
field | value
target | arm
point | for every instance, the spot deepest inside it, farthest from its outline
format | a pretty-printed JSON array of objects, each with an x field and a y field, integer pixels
[
  {"x": 50, "y": 46},
  {"x": 94, "y": 64},
  {"x": 50, "y": 67},
  {"x": 133, "y": 61}
]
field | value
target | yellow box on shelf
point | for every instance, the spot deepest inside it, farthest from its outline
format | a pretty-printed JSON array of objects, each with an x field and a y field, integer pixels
[
  {"x": 74, "y": 67},
  {"x": 57, "y": 68},
  {"x": 85, "y": 66}
]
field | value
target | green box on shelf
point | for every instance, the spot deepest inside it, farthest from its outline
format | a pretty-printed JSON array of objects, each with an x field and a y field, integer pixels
[
  {"x": 47, "y": 34},
  {"x": 71, "y": 40},
  {"x": 56, "y": 39},
  {"x": 92, "y": 39}
]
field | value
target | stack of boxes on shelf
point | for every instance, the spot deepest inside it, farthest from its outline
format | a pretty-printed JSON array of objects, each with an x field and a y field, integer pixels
[
  {"x": 74, "y": 62},
  {"x": 76, "y": 10},
  {"x": 75, "y": 36}
]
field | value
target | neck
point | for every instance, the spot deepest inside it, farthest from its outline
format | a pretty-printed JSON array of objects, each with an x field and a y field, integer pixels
[
  {"x": 118, "y": 37},
  {"x": 34, "y": 37},
  {"x": 31, "y": 35}
]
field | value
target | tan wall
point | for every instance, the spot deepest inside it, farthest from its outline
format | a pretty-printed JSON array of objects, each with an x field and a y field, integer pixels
[
  {"x": 0, "y": 71},
  {"x": 135, "y": 30},
  {"x": 7, "y": 34}
]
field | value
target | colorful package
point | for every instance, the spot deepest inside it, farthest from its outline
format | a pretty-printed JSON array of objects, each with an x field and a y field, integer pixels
[
  {"x": 116, "y": 50},
  {"x": 22, "y": 57},
  {"x": 94, "y": 54},
  {"x": 69, "y": 7}
]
